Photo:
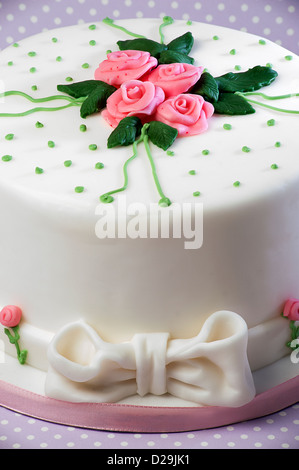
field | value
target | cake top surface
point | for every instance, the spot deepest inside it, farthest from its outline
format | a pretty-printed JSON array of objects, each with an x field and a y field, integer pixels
[{"x": 49, "y": 156}]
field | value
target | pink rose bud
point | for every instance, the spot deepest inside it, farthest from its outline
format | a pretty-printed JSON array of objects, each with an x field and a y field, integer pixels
[
  {"x": 175, "y": 79},
  {"x": 187, "y": 113},
  {"x": 291, "y": 309},
  {"x": 121, "y": 66},
  {"x": 133, "y": 98},
  {"x": 10, "y": 316}
]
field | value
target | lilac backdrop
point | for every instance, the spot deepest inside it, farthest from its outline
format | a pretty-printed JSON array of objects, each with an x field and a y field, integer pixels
[{"x": 276, "y": 20}]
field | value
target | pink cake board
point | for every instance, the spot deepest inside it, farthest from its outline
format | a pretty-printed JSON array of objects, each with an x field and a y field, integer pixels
[{"x": 149, "y": 419}]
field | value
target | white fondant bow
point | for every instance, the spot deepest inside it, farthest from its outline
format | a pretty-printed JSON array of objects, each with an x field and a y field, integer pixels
[{"x": 209, "y": 369}]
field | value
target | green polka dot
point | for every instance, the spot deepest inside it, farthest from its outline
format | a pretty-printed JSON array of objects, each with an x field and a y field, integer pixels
[
  {"x": 236, "y": 183},
  {"x": 10, "y": 63},
  {"x": 32, "y": 70},
  {"x": 92, "y": 42},
  {"x": 277, "y": 144},
  {"x": 92, "y": 27},
  {"x": 232, "y": 52},
  {"x": 274, "y": 166},
  {"x": 54, "y": 39},
  {"x": 79, "y": 189},
  {"x": 205, "y": 152},
  {"x": 34, "y": 88},
  {"x": 58, "y": 58},
  {"x": 108, "y": 51},
  {"x": 68, "y": 163},
  {"x": 238, "y": 67},
  {"x": 288, "y": 57},
  {"x": 215, "y": 38},
  {"x": 192, "y": 172},
  {"x": 99, "y": 166},
  {"x": 170, "y": 153},
  {"x": 246, "y": 149},
  {"x": 271, "y": 122},
  {"x": 38, "y": 170},
  {"x": 51, "y": 144},
  {"x": 32, "y": 54},
  {"x": 16, "y": 44},
  {"x": 189, "y": 23},
  {"x": 6, "y": 158},
  {"x": 83, "y": 128},
  {"x": 227, "y": 127},
  {"x": 85, "y": 65},
  {"x": 262, "y": 42},
  {"x": 196, "y": 193},
  {"x": 93, "y": 147},
  {"x": 268, "y": 64},
  {"x": 9, "y": 136},
  {"x": 38, "y": 125},
  {"x": 68, "y": 79}
]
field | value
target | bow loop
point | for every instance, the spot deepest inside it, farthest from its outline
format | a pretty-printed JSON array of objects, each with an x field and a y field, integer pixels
[{"x": 209, "y": 369}]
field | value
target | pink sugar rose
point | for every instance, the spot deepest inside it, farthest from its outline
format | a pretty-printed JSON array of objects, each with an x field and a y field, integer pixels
[
  {"x": 133, "y": 98},
  {"x": 122, "y": 66},
  {"x": 10, "y": 316},
  {"x": 175, "y": 78},
  {"x": 291, "y": 309},
  {"x": 187, "y": 113}
]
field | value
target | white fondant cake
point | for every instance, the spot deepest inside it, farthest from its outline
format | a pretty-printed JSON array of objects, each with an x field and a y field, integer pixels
[{"x": 111, "y": 309}]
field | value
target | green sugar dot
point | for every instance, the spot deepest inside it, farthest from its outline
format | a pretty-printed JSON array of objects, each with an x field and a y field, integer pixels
[
  {"x": 79, "y": 189},
  {"x": 238, "y": 67},
  {"x": 268, "y": 64},
  {"x": 271, "y": 122},
  {"x": 83, "y": 128},
  {"x": 38, "y": 170},
  {"x": 108, "y": 51},
  {"x": 6, "y": 158},
  {"x": 16, "y": 44},
  {"x": 68, "y": 163},
  {"x": 236, "y": 183},
  {"x": 277, "y": 144},
  {"x": 51, "y": 144},
  {"x": 93, "y": 147},
  {"x": 92, "y": 27},
  {"x": 9, "y": 136},
  {"x": 262, "y": 42},
  {"x": 58, "y": 58},
  {"x": 205, "y": 152},
  {"x": 196, "y": 193},
  {"x": 99, "y": 166},
  {"x": 32, "y": 70},
  {"x": 227, "y": 127},
  {"x": 215, "y": 38},
  {"x": 274, "y": 166},
  {"x": 85, "y": 65},
  {"x": 10, "y": 63},
  {"x": 245, "y": 149},
  {"x": 32, "y": 54},
  {"x": 68, "y": 79},
  {"x": 92, "y": 42},
  {"x": 170, "y": 153},
  {"x": 232, "y": 52},
  {"x": 189, "y": 23},
  {"x": 192, "y": 172},
  {"x": 54, "y": 39},
  {"x": 288, "y": 57},
  {"x": 39, "y": 124},
  {"x": 34, "y": 88}
]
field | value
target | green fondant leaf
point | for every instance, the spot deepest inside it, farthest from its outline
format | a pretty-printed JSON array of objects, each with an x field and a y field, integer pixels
[
  {"x": 182, "y": 44},
  {"x": 231, "y": 104},
  {"x": 125, "y": 133},
  {"x": 251, "y": 80},
  {"x": 207, "y": 87},
  {"x": 79, "y": 89},
  {"x": 161, "y": 134},
  {"x": 96, "y": 99},
  {"x": 140, "y": 44},
  {"x": 171, "y": 57}
]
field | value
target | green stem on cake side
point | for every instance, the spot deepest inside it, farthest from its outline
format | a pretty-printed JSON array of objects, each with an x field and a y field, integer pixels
[
  {"x": 164, "y": 201},
  {"x": 166, "y": 21},
  {"x": 273, "y": 108},
  {"x": 14, "y": 339}
]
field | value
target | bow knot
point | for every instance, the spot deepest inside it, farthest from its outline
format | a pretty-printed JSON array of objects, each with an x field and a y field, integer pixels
[{"x": 209, "y": 369}]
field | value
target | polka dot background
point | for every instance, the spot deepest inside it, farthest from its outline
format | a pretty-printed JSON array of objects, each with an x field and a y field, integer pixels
[{"x": 276, "y": 20}]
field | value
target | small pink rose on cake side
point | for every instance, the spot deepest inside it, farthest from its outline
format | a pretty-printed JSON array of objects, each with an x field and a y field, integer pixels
[
  {"x": 291, "y": 309},
  {"x": 133, "y": 98},
  {"x": 187, "y": 113},
  {"x": 121, "y": 66},
  {"x": 176, "y": 78}
]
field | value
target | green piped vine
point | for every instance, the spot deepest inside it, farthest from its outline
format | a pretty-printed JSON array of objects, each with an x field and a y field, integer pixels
[{"x": 230, "y": 94}]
